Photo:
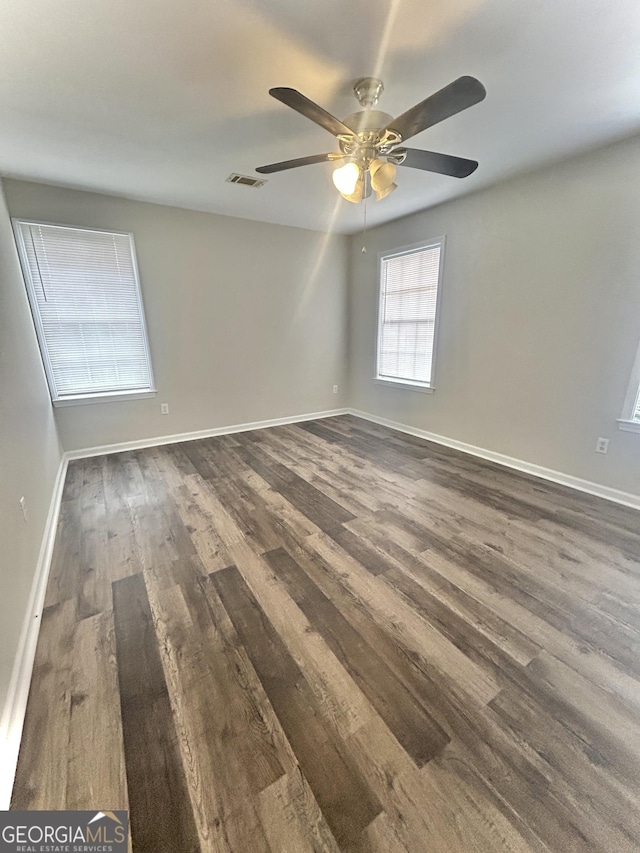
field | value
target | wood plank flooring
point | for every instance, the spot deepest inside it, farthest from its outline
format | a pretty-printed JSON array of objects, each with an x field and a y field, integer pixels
[{"x": 332, "y": 637}]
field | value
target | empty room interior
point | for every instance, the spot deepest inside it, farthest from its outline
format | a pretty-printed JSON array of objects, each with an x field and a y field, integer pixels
[{"x": 320, "y": 425}]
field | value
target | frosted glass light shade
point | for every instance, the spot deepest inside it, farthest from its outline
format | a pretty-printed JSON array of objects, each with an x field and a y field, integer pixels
[
  {"x": 382, "y": 175},
  {"x": 380, "y": 194},
  {"x": 346, "y": 177}
]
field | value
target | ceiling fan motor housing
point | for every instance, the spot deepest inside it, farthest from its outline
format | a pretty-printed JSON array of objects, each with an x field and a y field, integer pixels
[{"x": 367, "y": 120}]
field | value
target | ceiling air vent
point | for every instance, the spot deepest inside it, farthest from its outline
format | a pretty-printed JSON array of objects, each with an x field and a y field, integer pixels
[{"x": 245, "y": 180}]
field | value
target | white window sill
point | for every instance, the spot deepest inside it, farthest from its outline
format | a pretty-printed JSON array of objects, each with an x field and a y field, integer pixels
[
  {"x": 110, "y": 397},
  {"x": 401, "y": 383},
  {"x": 628, "y": 426}
]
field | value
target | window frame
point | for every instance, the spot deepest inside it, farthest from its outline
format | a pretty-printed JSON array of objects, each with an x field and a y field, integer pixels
[
  {"x": 396, "y": 382},
  {"x": 626, "y": 421},
  {"x": 85, "y": 398}
]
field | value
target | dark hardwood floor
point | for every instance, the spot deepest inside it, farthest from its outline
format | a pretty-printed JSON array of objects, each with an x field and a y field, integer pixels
[{"x": 332, "y": 637}]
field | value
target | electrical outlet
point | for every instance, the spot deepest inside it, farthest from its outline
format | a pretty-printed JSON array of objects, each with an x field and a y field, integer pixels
[
  {"x": 164, "y": 408},
  {"x": 335, "y": 389},
  {"x": 23, "y": 507},
  {"x": 602, "y": 445}
]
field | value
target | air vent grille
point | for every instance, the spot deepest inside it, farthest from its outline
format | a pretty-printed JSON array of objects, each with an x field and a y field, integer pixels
[{"x": 246, "y": 181}]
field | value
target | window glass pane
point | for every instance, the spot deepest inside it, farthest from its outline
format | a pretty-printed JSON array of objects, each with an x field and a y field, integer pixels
[
  {"x": 84, "y": 291},
  {"x": 408, "y": 304}
]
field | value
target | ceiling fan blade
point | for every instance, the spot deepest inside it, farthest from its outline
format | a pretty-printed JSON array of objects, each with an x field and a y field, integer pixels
[
  {"x": 292, "y": 98},
  {"x": 457, "y": 96},
  {"x": 300, "y": 161},
  {"x": 444, "y": 164}
]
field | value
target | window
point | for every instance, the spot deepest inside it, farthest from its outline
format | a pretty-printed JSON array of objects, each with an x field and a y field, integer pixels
[
  {"x": 630, "y": 420},
  {"x": 407, "y": 315},
  {"x": 85, "y": 299}
]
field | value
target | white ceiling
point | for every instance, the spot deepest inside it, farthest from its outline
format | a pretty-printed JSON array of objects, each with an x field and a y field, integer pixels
[{"x": 161, "y": 99}]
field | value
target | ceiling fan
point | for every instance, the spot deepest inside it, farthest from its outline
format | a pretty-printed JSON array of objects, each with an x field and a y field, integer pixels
[{"x": 372, "y": 142}]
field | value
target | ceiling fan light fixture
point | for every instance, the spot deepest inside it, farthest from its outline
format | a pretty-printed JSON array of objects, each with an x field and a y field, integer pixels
[
  {"x": 345, "y": 178},
  {"x": 362, "y": 189},
  {"x": 357, "y": 195},
  {"x": 383, "y": 175},
  {"x": 380, "y": 194}
]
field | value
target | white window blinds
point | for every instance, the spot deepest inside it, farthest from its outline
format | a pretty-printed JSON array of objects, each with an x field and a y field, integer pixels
[
  {"x": 85, "y": 298},
  {"x": 409, "y": 282}
]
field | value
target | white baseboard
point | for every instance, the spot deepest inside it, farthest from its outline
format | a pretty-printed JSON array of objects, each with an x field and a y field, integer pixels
[
  {"x": 204, "y": 433},
  {"x": 18, "y": 693},
  {"x": 609, "y": 494}
]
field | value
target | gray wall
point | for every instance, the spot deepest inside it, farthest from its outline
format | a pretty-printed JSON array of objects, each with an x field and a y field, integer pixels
[
  {"x": 246, "y": 320},
  {"x": 540, "y": 317},
  {"x": 29, "y": 450}
]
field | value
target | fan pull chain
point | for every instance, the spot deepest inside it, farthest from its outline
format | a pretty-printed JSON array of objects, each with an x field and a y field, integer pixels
[{"x": 364, "y": 229}]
